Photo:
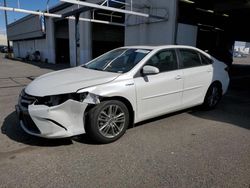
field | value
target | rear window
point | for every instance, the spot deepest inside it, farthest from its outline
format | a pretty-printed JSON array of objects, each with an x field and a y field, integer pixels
[
  {"x": 205, "y": 60},
  {"x": 189, "y": 58}
]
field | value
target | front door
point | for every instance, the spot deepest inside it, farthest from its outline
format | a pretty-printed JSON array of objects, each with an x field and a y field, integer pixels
[{"x": 160, "y": 93}]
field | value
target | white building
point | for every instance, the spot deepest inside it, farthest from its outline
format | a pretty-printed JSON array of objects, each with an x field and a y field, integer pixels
[
  {"x": 243, "y": 47},
  {"x": 3, "y": 39}
]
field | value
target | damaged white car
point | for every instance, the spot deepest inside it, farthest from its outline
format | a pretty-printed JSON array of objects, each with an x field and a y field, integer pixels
[{"x": 120, "y": 88}]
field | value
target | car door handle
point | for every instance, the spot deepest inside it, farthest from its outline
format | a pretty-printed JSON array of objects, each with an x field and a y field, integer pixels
[
  {"x": 209, "y": 70},
  {"x": 178, "y": 77}
]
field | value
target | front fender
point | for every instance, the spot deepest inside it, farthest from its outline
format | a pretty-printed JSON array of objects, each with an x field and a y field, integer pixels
[{"x": 125, "y": 89}]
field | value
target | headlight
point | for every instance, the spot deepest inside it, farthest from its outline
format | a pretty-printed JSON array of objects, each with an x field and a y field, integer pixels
[{"x": 55, "y": 100}]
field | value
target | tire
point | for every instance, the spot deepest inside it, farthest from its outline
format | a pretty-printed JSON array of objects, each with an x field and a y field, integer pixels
[
  {"x": 213, "y": 96},
  {"x": 107, "y": 121}
]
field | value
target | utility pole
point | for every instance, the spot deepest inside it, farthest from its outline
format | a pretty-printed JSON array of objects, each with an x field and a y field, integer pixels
[
  {"x": 6, "y": 24},
  {"x": 47, "y": 4}
]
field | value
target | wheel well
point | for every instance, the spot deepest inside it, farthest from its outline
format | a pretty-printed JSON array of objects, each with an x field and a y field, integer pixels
[
  {"x": 218, "y": 83},
  {"x": 128, "y": 105},
  {"x": 215, "y": 82},
  {"x": 122, "y": 99}
]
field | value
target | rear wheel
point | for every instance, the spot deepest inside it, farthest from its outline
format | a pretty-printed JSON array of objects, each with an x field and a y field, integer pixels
[
  {"x": 108, "y": 121},
  {"x": 213, "y": 96}
]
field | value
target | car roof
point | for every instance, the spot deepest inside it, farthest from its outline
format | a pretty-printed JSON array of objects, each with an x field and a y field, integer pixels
[{"x": 161, "y": 47}]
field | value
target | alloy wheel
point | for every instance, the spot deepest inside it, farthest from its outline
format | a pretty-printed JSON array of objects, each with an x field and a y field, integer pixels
[
  {"x": 111, "y": 121},
  {"x": 214, "y": 97}
]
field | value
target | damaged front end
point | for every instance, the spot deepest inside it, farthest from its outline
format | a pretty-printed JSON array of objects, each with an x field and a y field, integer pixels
[{"x": 54, "y": 116}]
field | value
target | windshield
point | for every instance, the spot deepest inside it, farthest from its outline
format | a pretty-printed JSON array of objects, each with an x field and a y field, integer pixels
[{"x": 119, "y": 61}]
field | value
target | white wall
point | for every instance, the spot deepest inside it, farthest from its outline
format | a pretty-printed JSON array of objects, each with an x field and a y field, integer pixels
[
  {"x": 138, "y": 32},
  {"x": 242, "y": 47},
  {"x": 50, "y": 51},
  {"x": 45, "y": 46},
  {"x": 187, "y": 34},
  {"x": 85, "y": 40},
  {"x": 3, "y": 39},
  {"x": 85, "y": 50},
  {"x": 26, "y": 27},
  {"x": 21, "y": 48},
  {"x": 72, "y": 43},
  {"x": 15, "y": 49}
]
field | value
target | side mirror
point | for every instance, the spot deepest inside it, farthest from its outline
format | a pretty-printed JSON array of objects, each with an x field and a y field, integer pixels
[{"x": 150, "y": 70}]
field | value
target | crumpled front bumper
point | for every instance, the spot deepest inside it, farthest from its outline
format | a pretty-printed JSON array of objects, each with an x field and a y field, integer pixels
[{"x": 64, "y": 120}]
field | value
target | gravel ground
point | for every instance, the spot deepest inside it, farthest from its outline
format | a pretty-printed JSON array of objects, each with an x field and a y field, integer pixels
[{"x": 192, "y": 148}]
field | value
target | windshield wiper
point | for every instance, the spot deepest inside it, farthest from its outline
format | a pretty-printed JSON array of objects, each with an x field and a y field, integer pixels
[
  {"x": 84, "y": 66},
  {"x": 92, "y": 68}
]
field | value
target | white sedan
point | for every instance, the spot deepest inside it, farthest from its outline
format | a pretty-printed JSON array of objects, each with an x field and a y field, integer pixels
[{"x": 120, "y": 88}]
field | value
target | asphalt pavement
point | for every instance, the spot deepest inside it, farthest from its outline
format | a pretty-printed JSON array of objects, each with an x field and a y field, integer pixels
[{"x": 191, "y": 148}]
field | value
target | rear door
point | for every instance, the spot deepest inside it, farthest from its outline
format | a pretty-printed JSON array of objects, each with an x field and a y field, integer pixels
[{"x": 197, "y": 76}]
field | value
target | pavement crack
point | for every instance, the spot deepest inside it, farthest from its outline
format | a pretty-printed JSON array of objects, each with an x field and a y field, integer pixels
[
  {"x": 12, "y": 154},
  {"x": 12, "y": 79},
  {"x": 6, "y": 87}
]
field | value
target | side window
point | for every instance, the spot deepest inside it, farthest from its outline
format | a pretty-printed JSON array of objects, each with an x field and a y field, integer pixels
[
  {"x": 205, "y": 60},
  {"x": 189, "y": 58},
  {"x": 165, "y": 61}
]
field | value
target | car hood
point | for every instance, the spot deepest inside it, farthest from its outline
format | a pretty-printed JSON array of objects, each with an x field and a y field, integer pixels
[{"x": 68, "y": 81}]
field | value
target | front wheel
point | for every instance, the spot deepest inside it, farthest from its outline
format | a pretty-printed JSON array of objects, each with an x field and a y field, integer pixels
[
  {"x": 213, "y": 96},
  {"x": 107, "y": 121}
]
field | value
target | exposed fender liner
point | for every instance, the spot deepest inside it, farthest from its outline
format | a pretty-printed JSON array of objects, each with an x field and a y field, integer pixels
[
  {"x": 110, "y": 91},
  {"x": 92, "y": 98},
  {"x": 56, "y": 123}
]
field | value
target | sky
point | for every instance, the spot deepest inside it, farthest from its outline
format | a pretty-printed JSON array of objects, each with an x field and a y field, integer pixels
[{"x": 24, "y": 4}]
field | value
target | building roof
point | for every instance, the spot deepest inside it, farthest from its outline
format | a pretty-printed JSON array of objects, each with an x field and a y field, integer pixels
[{"x": 56, "y": 8}]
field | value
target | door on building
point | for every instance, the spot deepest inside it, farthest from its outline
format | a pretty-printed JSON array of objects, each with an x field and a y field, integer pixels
[
  {"x": 62, "y": 51},
  {"x": 62, "y": 41},
  {"x": 106, "y": 38}
]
